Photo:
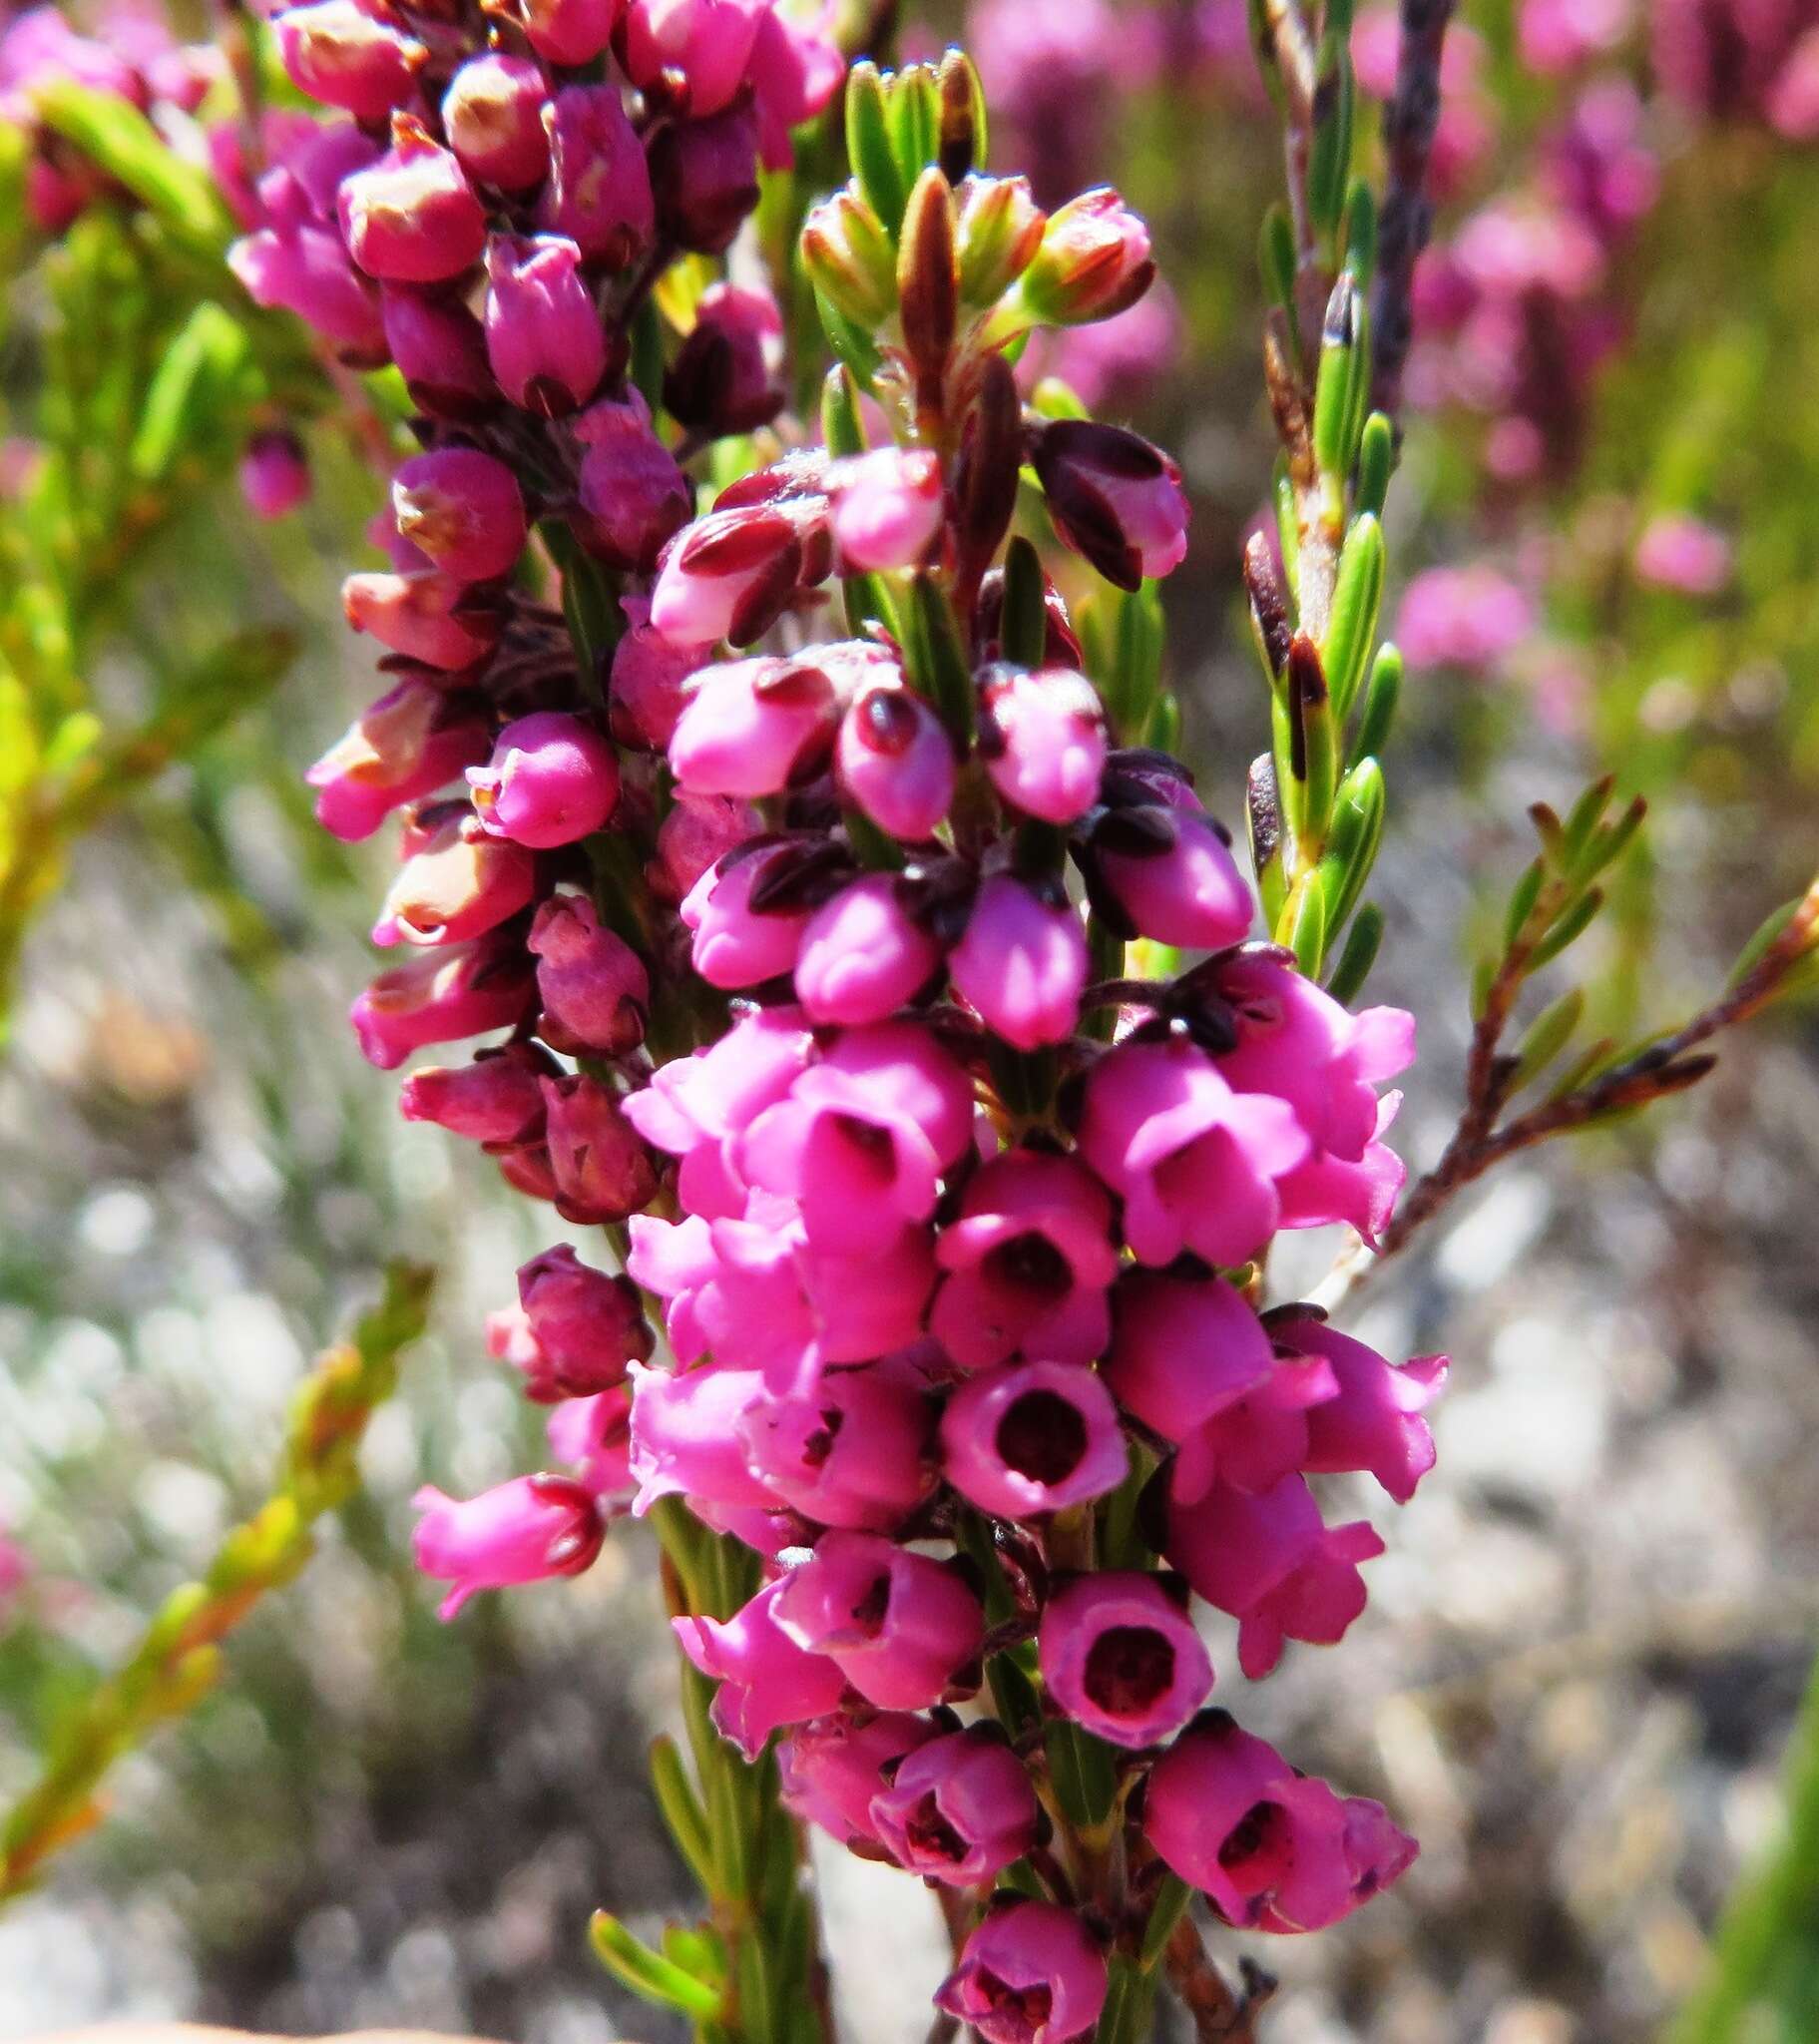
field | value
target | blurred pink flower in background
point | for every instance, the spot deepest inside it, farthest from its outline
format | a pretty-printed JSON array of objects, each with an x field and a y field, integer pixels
[
  {"x": 1679, "y": 552},
  {"x": 1468, "y": 618}
]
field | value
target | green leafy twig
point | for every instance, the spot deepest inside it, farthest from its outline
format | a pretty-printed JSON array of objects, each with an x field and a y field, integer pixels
[{"x": 179, "y": 1657}]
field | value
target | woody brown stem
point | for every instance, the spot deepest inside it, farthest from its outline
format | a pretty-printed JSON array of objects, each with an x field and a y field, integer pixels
[
  {"x": 1221, "y": 2015},
  {"x": 1409, "y": 122}
]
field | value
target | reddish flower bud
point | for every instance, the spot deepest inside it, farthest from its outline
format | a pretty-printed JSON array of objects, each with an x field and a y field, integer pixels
[
  {"x": 408, "y": 743},
  {"x": 694, "y": 837},
  {"x": 302, "y": 267},
  {"x": 598, "y": 193},
  {"x": 524, "y": 1531},
  {"x": 603, "y": 1171},
  {"x": 587, "y": 1325},
  {"x": 346, "y": 56},
  {"x": 1094, "y": 260},
  {"x": 463, "y": 509},
  {"x": 569, "y": 32},
  {"x": 634, "y": 498},
  {"x": 594, "y": 986},
  {"x": 1120, "y": 1655},
  {"x": 427, "y": 615},
  {"x": 704, "y": 178},
  {"x": 274, "y": 474},
  {"x": 724, "y": 379},
  {"x": 440, "y": 352},
  {"x": 1043, "y": 739},
  {"x": 492, "y": 114},
  {"x": 1114, "y": 498},
  {"x": 413, "y": 217},
  {"x": 457, "y": 881},
  {"x": 552, "y": 779},
  {"x": 896, "y": 761},
  {"x": 544, "y": 336},
  {"x": 493, "y": 1099},
  {"x": 440, "y": 996},
  {"x": 707, "y": 44},
  {"x": 1022, "y": 964}
]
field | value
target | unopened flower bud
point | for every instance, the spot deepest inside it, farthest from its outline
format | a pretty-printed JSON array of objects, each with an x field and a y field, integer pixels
[
  {"x": 544, "y": 336},
  {"x": 552, "y": 779},
  {"x": 1043, "y": 739},
  {"x": 463, "y": 509},
  {"x": 524, "y": 1531},
  {"x": 633, "y": 497},
  {"x": 958, "y": 1810},
  {"x": 412, "y": 742},
  {"x": 1172, "y": 879},
  {"x": 491, "y": 115},
  {"x": 704, "y": 178},
  {"x": 599, "y": 195},
  {"x": 705, "y": 44},
  {"x": 998, "y": 233},
  {"x": 303, "y": 267},
  {"x": 699, "y": 831},
  {"x": 1114, "y": 498},
  {"x": 587, "y": 1324},
  {"x": 596, "y": 992},
  {"x": 569, "y": 32},
  {"x": 1032, "y": 1973},
  {"x": 896, "y": 761},
  {"x": 731, "y": 573},
  {"x": 427, "y": 616},
  {"x": 737, "y": 943},
  {"x": 440, "y": 996},
  {"x": 274, "y": 474},
  {"x": 346, "y": 56},
  {"x": 887, "y": 507},
  {"x": 440, "y": 352},
  {"x": 493, "y": 1099},
  {"x": 457, "y": 881},
  {"x": 603, "y": 1169},
  {"x": 1022, "y": 964},
  {"x": 849, "y": 259},
  {"x": 723, "y": 380},
  {"x": 863, "y": 955},
  {"x": 1094, "y": 260},
  {"x": 413, "y": 217}
]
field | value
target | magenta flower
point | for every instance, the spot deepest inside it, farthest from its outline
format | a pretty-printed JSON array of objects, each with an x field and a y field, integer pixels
[
  {"x": 632, "y": 498},
  {"x": 705, "y": 177},
  {"x": 766, "y": 1679},
  {"x": 587, "y": 1325},
  {"x": 1032, "y": 1973},
  {"x": 958, "y": 1809},
  {"x": 412, "y": 216},
  {"x": 569, "y": 32},
  {"x": 1029, "y": 1258},
  {"x": 1373, "y": 1419},
  {"x": 1043, "y": 739},
  {"x": 274, "y": 476},
  {"x": 1174, "y": 880},
  {"x": 854, "y": 1452},
  {"x": 895, "y": 761},
  {"x": 456, "y": 882},
  {"x": 524, "y": 1531},
  {"x": 1196, "y": 1162},
  {"x": 1183, "y": 1350},
  {"x": 887, "y": 507},
  {"x": 1684, "y": 554},
  {"x": 414, "y": 740},
  {"x": 1114, "y": 498},
  {"x": 463, "y": 509},
  {"x": 685, "y": 1437},
  {"x": 745, "y": 934},
  {"x": 863, "y": 1139},
  {"x": 1273, "y": 1849},
  {"x": 1094, "y": 261},
  {"x": 829, "y": 1770},
  {"x": 863, "y": 955},
  {"x": 427, "y": 616},
  {"x": 731, "y": 573},
  {"x": 1120, "y": 1655},
  {"x": 594, "y": 990},
  {"x": 439, "y": 996},
  {"x": 698, "y": 1107},
  {"x": 757, "y": 727},
  {"x": 493, "y": 1099},
  {"x": 492, "y": 114},
  {"x": 1022, "y": 964},
  {"x": 336, "y": 52},
  {"x": 552, "y": 779},
  {"x": 1033, "y": 1438},
  {"x": 440, "y": 349},
  {"x": 543, "y": 338},
  {"x": 1273, "y": 1564},
  {"x": 707, "y": 42},
  {"x": 598, "y": 193},
  {"x": 1469, "y": 618},
  {"x": 593, "y": 1437},
  {"x": 303, "y": 265},
  {"x": 602, "y": 1168},
  {"x": 1258, "y": 1439},
  {"x": 901, "y": 1627}
]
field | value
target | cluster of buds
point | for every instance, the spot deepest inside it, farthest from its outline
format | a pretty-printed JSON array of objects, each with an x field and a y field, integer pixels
[{"x": 806, "y": 957}]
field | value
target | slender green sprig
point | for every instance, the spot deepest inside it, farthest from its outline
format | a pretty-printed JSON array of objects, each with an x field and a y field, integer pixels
[{"x": 179, "y": 1657}]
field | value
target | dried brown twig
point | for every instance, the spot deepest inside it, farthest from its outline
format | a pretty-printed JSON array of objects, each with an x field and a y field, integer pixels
[
  {"x": 1409, "y": 122},
  {"x": 1219, "y": 2016}
]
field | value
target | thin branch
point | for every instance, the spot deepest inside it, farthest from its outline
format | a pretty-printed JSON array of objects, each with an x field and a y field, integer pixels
[
  {"x": 1221, "y": 2014},
  {"x": 1409, "y": 122}
]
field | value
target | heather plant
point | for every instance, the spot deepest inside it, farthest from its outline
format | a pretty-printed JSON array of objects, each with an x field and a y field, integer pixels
[{"x": 775, "y": 715}]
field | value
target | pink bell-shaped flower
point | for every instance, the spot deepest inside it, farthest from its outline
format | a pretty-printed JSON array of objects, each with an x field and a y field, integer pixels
[
  {"x": 829, "y": 1770},
  {"x": 958, "y": 1809},
  {"x": 766, "y": 1679},
  {"x": 863, "y": 955},
  {"x": 900, "y": 1626},
  {"x": 1032, "y": 1438},
  {"x": 524, "y": 1531},
  {"x": 1022, "y": 964},
  {"x": 1032, "y": 1973},
  {"x": 552, "y": 779},
  {"x": 1120, "y": 1655},
  {"x": 1043, "y": 739},
  {"x": 895, "y": 761},
  {"x": 1183, "y": 1350},
  {"x": 853, "y": 1452}
]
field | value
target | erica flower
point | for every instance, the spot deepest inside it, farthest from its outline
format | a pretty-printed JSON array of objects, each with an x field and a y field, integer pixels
[
  {"x": 766, "y": 1679},
  {"x": 523, "y": 1531},
  {"x": 1034, "y": 1437},
  {"x": 900, "y": 1626},
  {"x": 1031, "y": 1973},
  {"x": 1120, "y": 1655},
  {"x": 831, "y": 1768},
  {"x": 956, "y": 1809}
]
